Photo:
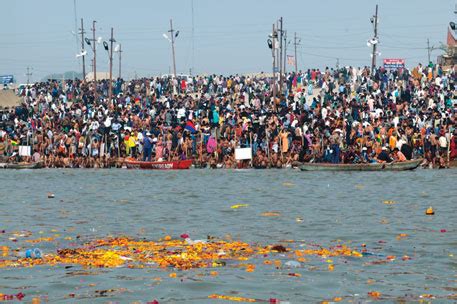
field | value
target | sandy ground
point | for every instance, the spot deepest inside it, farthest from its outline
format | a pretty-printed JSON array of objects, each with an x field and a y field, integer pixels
[{"x": 8, "y": 99}]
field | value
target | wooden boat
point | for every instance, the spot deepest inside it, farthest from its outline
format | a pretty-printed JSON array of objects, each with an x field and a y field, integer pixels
[
  {"x": 162, "y": 165},
  {"x": 394, "y": 166},
  {"x": 37, "y": 165},
  {"x": 453, "y": 163}
]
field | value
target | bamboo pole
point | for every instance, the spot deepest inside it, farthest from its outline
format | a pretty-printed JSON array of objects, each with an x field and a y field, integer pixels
[
  {"x": 201, "y": 147},
  {"x": 449, "y": 148},
  {"x": 250, "y": 144}
]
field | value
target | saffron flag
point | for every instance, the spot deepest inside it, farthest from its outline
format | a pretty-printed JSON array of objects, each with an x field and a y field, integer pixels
[
  {"x": 190, "y": 126},
  {"x": 290, "y": 60}
]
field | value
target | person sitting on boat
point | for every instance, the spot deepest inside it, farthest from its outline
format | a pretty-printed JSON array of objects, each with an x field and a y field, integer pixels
[
  {"x": 364, "y": 155},
  {"x": 383, "y": 156},
  {"x": 399, "y": 156},
  {"x": 36, "y": 157},
  {"x": 350, "y": 157},
  {"x": 159, "y": 149}
]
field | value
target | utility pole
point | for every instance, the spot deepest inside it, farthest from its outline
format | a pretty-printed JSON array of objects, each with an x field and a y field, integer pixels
[
  {"x": 110, "y": 93},
  {"x": 285, "y": 54},
  {"x": 193, "y": 46},
  {"x": 273, "y": 51},
  {"x": 281, "y": 68},
  {"x": 171, "y": 31},
  {"x": 82, "y": 32},
  {"x": 428, "y": 49},
  {"x": 373, "y": 57},
  {"x": 120, "y": 60},
  {"x": 296, "y": 43},
  {"x": 337, "y": 63},
  {"x": 95, "y": 60},
  {"x": 28, "y": 74}
]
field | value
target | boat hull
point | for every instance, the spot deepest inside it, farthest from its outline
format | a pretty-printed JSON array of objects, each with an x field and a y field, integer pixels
[
  {"x": 165, "y": 165},
  {"x": 395, "y": 166},
  {"x": 18, "y": 166}
]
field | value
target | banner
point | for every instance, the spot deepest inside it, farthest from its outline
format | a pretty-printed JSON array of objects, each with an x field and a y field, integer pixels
[
  {"x": 243, "y": 153},
  {"x": 24, "y": 151},
  {"x": 6, "y": 79},
  {"x": 290, "y": 60},
  {"x": 394, "y": 63}
]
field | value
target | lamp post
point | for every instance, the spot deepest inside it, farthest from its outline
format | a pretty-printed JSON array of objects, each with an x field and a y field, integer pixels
[
  {"x": 92, "y": 43},
  {"x": 109, "y": 49},
  {"x": 173, "y": 35},
  {"x": 272, "y": 44}
]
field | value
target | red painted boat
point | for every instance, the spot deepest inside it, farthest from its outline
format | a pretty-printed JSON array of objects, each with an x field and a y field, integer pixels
[{"x": 162, "y": 165}]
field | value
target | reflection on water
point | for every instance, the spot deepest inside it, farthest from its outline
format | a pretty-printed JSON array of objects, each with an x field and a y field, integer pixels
[{"x": 314, "y": 208}]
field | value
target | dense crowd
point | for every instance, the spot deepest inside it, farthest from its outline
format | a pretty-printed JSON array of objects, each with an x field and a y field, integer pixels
[{"x": 349, "y": 115}]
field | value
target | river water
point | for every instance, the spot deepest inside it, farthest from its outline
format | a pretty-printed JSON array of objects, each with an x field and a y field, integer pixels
[{"x": 314, "y": 208}]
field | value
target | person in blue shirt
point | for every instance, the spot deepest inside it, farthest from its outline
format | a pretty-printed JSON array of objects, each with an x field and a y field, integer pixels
[{"x": 147, "y": 147}]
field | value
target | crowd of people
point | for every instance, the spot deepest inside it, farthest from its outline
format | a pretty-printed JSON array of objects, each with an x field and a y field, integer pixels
[{"x": 347, "y": 115}]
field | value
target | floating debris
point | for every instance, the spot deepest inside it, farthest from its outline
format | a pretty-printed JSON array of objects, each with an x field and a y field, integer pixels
[
  {"x": 239, "y": 206},
  {"x": 430, "y": 211},
  {"x": 272, "y": 213}
]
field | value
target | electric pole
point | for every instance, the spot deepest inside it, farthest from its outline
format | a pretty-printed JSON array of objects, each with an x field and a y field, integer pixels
[
  {"x": 110, "y": 93},
  {"x": 28, "y": 74},
  {"x": 428, "y": 49},
  {"x": 120, "y": 60},
  {"x": 94, "y": 46},
  {"x": 281, "y": 68},
  {"x": 273, "y": 51},
  {"x": 373, "y": 57},
  {"x": 171, "y": 31},
  {"x": 82, "y": 32},
  {"x": 95, "y": 59},
  {"x": 296, "y": 43},
  {"x": 285, "y": 54}
]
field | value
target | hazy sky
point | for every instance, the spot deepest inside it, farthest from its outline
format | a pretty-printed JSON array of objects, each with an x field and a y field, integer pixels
[{"x": 229, "y": 36}]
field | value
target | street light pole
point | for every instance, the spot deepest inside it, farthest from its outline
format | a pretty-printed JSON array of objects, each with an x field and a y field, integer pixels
[
  {"x": 120, "y": 60},
  {"x": 273, "y": 50},
  {"x": 373, "y": 57},
  {"x": 82, "y": 47},
  {"x": 296, "y": 43},
  {"x": 110, "y": 93},
  {"x": 173, "y": 46},
  {"x": 95, "y": 60},
  {"x": 285, "y": 55},
  {"x": 281, "y": 63}
]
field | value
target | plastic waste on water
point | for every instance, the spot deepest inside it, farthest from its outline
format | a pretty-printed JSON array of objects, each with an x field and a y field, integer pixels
[
  {"x": 292, "y": 264},
  {"x": 366, "y": 253},
  {"x": 33, "y": 253}
]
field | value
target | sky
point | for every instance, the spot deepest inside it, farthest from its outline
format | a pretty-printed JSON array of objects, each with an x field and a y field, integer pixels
[{"x": 220, "y": 37}]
